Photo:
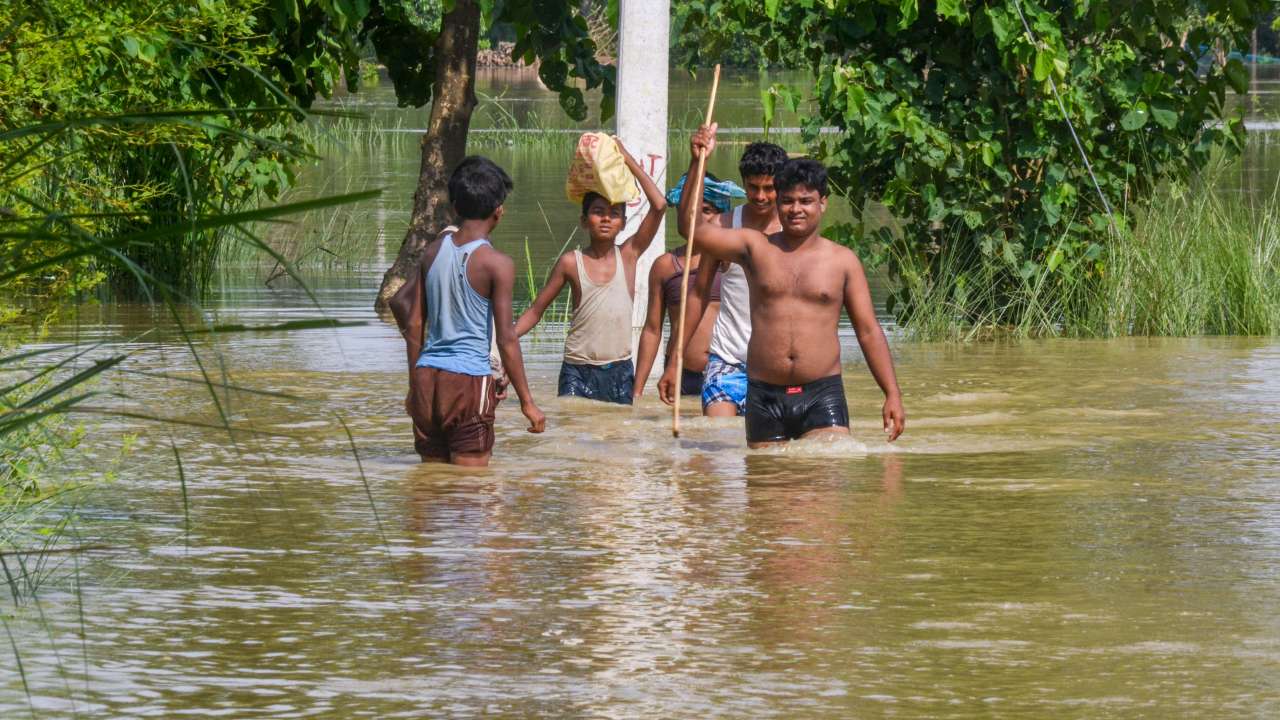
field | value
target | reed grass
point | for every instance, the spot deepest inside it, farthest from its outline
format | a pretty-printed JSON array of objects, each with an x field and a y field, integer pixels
[
  {"x": 1192, "y": 260},
  {"x": 1197, "y": 262}
]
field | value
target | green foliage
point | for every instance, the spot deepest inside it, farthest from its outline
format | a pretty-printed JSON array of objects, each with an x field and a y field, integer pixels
[
  {"x": 690, "y": 48},
  {"x": 403, "y": 33},
  {"x": 961, "y": 118},
  {"x": 86, "y": 92},
  {"x": 1197, "y": 263},
  {"x": 1193, "y": 261},
  {"x": 42, "y": 389}
]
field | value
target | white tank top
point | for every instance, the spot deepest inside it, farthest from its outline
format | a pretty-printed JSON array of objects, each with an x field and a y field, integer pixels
[
  {"x": 732, "y": 330},
  {"x": 600, "y": 332}
]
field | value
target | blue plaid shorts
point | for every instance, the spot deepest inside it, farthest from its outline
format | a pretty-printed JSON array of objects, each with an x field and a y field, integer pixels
[{"x": 724, "y": 382}]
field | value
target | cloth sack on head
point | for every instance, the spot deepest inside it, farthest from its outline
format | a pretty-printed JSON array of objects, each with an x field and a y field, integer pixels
[
  {"x": 720, "y": 193},
  {"x": 598, "y": 166}
]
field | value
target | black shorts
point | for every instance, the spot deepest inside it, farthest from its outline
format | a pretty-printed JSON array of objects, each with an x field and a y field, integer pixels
[
  {"x": 609, "y": 383},
  {"x": 777, "y": 413},
  {"x": 691, "y": 383}
]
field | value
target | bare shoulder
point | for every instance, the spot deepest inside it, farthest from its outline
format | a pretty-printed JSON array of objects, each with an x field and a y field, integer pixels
[
  {"x": 566, "y": 268},
  {"x": 567, "y": 263},
  {"x": 664, "y": 265},
  {"x": 842, "y": 254},
  {"x": 494, "y": 259}
]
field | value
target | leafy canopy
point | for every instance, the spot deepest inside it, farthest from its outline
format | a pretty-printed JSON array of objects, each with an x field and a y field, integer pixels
[
  {"x": 959, "y": 116},
  {"x": 319, "y": 38}
]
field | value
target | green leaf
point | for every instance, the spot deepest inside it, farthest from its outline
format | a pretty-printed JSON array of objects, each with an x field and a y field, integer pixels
[
  {"x": 937, "y": 210},
  {"x": 1052, "y": 211},
  {"x": 768, "y": 100},
  {"x": 1164, "y": 117},
  {"x": 573, "y": 103},
  {"x": 553, "y": 72},
  {"x": 1237, "y": 76},
  {"x": 1055, "y": 259},
  {"x": 771, "y": 9},
  {"x": 953, "y": 9},
  {"x": 1008, "y": 253},
  {"x": 1044, "y": 65},
  {"x": 1135, "y": 119},
  {"x": 1001, "y": 26},
  {"x": 857, "y": 99},
  {"x": 909, "y": 10}
]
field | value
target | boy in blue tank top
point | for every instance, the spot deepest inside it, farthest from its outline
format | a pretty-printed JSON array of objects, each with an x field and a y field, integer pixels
[{"x": 459, "y": 294}]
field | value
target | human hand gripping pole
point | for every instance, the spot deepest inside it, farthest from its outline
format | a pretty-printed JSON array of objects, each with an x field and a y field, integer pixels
[{"x": 688, "y": 258}]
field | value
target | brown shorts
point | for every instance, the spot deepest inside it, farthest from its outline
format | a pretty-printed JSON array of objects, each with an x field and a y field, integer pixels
[{"x": 452, "y": 413}]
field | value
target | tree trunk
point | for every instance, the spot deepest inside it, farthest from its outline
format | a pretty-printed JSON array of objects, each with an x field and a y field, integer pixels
[{"x": 445, "y": 142}]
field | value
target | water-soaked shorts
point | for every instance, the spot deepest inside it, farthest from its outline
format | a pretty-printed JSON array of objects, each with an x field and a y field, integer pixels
[
  {"x": 724, "y": 382},
  {"x": 608, "y": 383},
  {"x": 452, "y": 413},
  {"x": 780, "y": 412},
  {"x": 690, "y": 383}
]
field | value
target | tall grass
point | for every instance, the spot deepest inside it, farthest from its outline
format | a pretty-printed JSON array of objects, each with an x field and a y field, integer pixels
[
  {"x": 1192, "y": 260},
  {"x": 1197, "y": 262}
]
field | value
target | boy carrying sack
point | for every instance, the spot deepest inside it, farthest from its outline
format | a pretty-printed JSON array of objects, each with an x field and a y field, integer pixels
[{"x": 602, "y": 278}]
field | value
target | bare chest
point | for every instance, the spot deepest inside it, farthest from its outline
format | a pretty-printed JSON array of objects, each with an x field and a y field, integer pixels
[{"x": 780, "y": 277}]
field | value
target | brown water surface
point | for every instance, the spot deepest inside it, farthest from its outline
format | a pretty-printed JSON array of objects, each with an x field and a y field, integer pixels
[{"x": 1068, "y": 529}]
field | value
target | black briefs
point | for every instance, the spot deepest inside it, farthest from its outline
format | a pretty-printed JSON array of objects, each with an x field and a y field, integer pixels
[{"x": 778, "y": 413}]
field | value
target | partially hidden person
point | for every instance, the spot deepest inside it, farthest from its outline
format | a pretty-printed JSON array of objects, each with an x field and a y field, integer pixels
[
  {"x": 458, "y": 295},
  {"x": 665, "y": 279},
  {"x": 799, "y": 282},
  {"x": 724, "y": 381},
  {"x": 602, "y": 279}
]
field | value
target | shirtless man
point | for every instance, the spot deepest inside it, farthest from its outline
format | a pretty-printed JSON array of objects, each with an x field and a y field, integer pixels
[
  {"x": 724, "y": 384},
  {"x": 799, "y": 281}
]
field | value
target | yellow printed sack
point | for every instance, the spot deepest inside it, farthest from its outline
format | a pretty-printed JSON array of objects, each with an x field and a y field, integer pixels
[{"x": 598, "y": 166}]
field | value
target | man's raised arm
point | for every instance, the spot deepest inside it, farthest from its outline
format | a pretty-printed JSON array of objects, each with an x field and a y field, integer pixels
[{"x": 732, "y": 244}]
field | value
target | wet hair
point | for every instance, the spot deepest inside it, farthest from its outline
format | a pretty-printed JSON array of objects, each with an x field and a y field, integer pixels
[
  {"x": 802, "y": 171},
  {"x": 761, "y": 158},
  {"x": 591, "y": 196},
  {"x": 478, "y": 187}
]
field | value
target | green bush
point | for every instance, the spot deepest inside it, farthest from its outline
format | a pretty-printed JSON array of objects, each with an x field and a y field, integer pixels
[
  {"x": 1003, "y": 130},
  {"x": 86, "y": 89},
  {"x": 1194, "y": 261}
]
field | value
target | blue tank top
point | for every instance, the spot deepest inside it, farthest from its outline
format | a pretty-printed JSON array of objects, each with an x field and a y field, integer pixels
[{"x": 459, "y": 320}]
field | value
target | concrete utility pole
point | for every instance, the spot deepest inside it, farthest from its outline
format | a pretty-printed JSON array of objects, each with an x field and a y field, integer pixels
[{"x": 643, "y": 30}]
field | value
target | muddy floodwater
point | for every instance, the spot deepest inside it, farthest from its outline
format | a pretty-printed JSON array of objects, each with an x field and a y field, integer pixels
[{"x": 1068, "y": 528}]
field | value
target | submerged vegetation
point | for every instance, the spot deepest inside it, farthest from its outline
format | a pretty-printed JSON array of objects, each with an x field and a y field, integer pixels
[{"x": 1194, "y": 260}]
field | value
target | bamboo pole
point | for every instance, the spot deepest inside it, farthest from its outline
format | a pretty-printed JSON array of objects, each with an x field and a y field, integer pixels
[{"x": 694, "y": 205}]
